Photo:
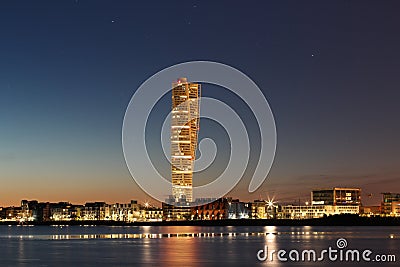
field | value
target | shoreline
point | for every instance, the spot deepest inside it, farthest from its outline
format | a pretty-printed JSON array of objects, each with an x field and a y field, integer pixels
[{"x": 337, "y": 220}]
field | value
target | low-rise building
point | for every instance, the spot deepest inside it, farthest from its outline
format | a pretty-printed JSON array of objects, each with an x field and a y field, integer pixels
[
  {"x": 315, "y": 211},
  {"x": 175, "y": 213},
  {"x": 340, "y": 196},
  {"x": 12, "y": 214},
  {"x": 261, "y": 209},
  {"x": 94, "y": 211},
  {"x": 223, "y": 208},
  {"x": 396, "y": 208},
  {"x": 151, "y": 214},
  {"x": 369, "y": 211},
  {"x": 129, "y": 212},
  {"x": 387, "y": 206}
]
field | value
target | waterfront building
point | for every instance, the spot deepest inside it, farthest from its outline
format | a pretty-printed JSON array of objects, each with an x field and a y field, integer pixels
[
  {"x": 151, "y": 214},
  {"x": 396, "y": 208},
  {"x": 340, "y": 196},
  {"x": 389, "y": 205},
  {"x": 11, "y": 214},
  {"x": 369, "y": 211},
  {"x": 261, "y": 209},
  {"x": 175, "y": 213},
  {"x": 94, "y": 211},
  {"x": 315, "y": 211},
  {"x": 127, "y": 212},
  {"x": 222, "y": 208},
  {"x": 184, "y": 135},
  {"x": 61, "y": 211}
]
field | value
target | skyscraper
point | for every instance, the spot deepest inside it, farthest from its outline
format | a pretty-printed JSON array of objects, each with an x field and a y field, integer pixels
[{"x": 184, "y": 135}]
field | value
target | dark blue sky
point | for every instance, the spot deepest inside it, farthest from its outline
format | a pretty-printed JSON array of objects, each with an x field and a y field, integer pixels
[{"x": 330, "y": 71}]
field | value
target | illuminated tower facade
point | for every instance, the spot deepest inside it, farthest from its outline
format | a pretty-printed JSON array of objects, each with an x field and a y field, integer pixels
[{"x": 184, "y": 135}]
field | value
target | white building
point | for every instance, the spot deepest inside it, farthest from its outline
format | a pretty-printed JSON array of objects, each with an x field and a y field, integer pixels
[{"x": 315, "y": 211}]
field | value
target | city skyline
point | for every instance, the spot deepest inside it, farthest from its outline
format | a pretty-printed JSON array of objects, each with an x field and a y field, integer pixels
[
  {"x": 69, "y": 69},
  {"x": 319, "y": 192},
  {"x": 323, "y": 202}
]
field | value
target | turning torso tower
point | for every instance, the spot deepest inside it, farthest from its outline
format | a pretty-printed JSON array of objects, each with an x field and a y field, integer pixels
[{"x": 184, "y": 134}]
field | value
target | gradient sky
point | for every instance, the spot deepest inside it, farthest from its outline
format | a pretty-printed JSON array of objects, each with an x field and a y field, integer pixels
[{"x": 330, "y": 71}]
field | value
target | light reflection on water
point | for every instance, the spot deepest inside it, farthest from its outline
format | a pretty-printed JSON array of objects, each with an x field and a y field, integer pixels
[
  {"x": 148, "y": 232},
  {"x": 177, "y": 245}
]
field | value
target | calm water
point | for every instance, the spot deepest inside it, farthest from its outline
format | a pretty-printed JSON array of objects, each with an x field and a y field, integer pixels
[{"x": 183, "y": 245}]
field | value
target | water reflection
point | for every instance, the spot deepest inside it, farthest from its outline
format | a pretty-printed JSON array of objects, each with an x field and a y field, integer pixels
[
  {"x": 192, "y": 232},
  {"x": 178, "y": 246},
  {"x": 178, "y": 252},
  {"x": 271, "y": 245}
]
